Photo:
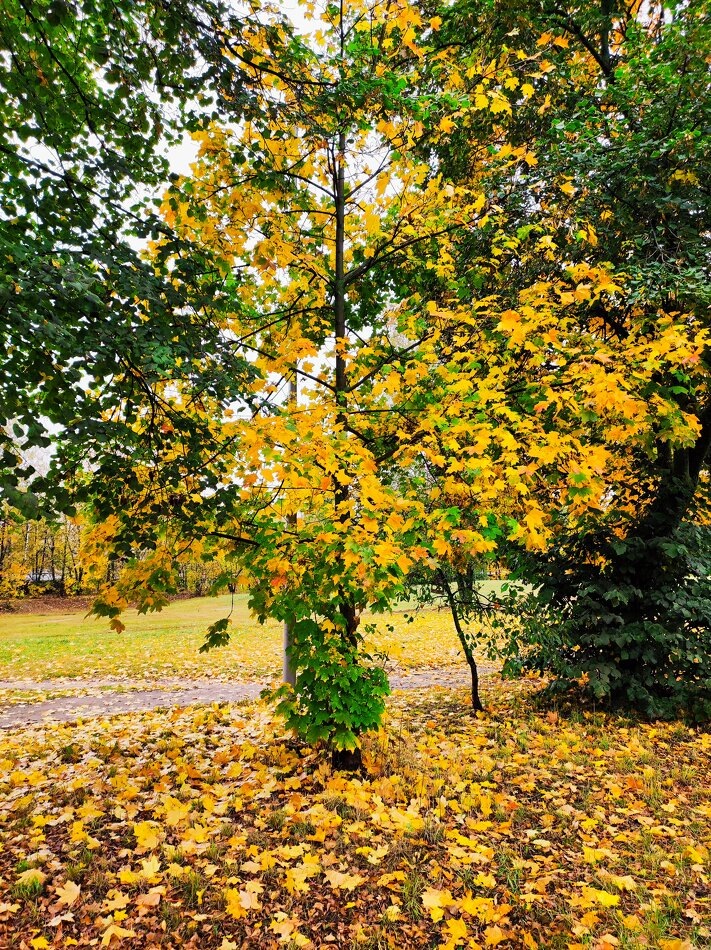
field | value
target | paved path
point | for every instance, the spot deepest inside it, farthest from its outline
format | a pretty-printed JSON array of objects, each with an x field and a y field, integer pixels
[{"x": 136, "y": 696}]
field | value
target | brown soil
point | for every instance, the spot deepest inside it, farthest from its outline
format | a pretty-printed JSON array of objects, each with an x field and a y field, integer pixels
[{"x": 51, "y": 604}]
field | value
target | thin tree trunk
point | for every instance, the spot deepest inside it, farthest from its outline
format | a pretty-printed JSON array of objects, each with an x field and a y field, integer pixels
[
  {"x": 342, "y": 759},
  {"x": 463, "y": 639},
  {"x": 339, "y": 319},
  {"x": 288, "y": 668}
]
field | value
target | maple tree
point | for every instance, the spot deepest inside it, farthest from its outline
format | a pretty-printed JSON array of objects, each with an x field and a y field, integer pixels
[
  {"x": 396, "y": 324},
  {"x": 66, "y": 556},
  {"x": 369, "y": 350},
  {"x": 33, "y": 552},
  {"x": 340, "y": 248},
  {"x": 310, "y": 207}
]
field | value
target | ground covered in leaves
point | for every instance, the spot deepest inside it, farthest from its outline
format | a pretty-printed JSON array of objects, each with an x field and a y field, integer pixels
[{"x": 209, "y": 828}]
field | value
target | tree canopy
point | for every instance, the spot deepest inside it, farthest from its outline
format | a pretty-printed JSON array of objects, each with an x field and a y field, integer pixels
[{"x": 435, "y": 289}]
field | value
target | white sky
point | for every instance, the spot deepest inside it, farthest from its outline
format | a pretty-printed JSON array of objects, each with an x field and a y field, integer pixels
[{"x": 182, "y": 155}]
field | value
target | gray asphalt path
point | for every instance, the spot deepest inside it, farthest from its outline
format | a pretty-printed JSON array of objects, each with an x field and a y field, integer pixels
[{"x": 121, "y": 696}]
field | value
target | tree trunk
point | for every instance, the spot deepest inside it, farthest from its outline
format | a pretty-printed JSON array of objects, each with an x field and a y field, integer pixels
[
  {"x": 347, "y": 760},
  {"x": 343, "y": 760},
  {"x": 476, "y": 699},
  {"x": 464, "y": 640},
  {"x": 288, "y": 668},
  {"x": 341, "y": 493}
]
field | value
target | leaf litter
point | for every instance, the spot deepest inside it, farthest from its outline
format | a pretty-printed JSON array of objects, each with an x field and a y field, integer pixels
[{"x": 209, "y": 827}]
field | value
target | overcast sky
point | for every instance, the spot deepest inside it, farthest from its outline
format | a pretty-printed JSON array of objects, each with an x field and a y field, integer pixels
[{"x": 182, "y": 155}]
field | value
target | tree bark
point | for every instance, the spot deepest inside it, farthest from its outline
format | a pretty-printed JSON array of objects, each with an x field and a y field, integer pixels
[
  {"x": 466, "y": 645},
  {"x": 341, "y": 494},
  {"x": 347, "y": 760},
  {"x": 288, "y": 668}
]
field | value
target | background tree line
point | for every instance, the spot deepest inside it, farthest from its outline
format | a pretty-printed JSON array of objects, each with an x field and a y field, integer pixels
[{"x": 42, "y": 557}]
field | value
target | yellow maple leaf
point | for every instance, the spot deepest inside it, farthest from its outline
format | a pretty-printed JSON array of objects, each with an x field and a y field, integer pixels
[
  {"x": 485, "y": 880},
  {"x": 386, "y": 879},
  {"x": 233, "y": 903},
  {"x": 89, "y": 810},
  {"x": 479, "y": 907},
  {"x": 198, "y": 834},
  {"x": 68, "y": 893},
  {"x": 591, "y": 895},
  {"x": 479, "y": 202},
  {"x": 113, "y": 931},
  {"x": 147, "y": 834},
  {"x": 457, "y": 928},
  {"x": 695, "y": 854},
  {"x": 283, "y": 925},
  {"x": 150, "y": 868},
  {"x": 175, "y": 811},
  {"x": 249, "y": 899},
  {"x": 116, "y": 901},
  {"x": 344, "y": 882},
  {"x": 623, "y": 882},
  {"x": 434, "y": 900},
  {"x": 494, "y": 935},
  {"x": 509, "y": 320},
  {"x": 593, "y": 855},
  {"x": 499, "y": 103}
]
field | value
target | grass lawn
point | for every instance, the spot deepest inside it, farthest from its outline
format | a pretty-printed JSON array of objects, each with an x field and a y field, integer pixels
[{"x": 165, "y": 644}]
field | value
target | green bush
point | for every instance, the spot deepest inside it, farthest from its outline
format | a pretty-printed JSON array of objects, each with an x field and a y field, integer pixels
[
  {"x": 339, "y": 693},
  {"x": 628, "y": 621}
]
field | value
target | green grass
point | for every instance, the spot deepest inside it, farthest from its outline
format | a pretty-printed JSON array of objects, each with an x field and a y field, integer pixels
[
  {"x": 71, "y": 645},
  {"x": 154, "y": 645}
]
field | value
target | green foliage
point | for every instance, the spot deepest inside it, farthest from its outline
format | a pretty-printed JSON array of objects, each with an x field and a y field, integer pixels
[
  {"x": 338, "y": 694},
  {"x": 618, "y": 132},
  {"x": 90, "y": 327},
  {"x": 628, "y": 621},
  {"x": 595, "y": 153},
  {"x": 217, "y": 635}
]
